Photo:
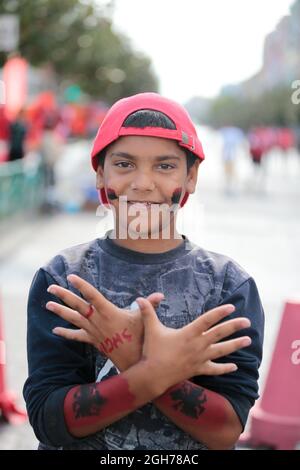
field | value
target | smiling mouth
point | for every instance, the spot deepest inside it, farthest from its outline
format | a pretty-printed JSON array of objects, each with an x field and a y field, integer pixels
[{"x": 144, "y": 203}]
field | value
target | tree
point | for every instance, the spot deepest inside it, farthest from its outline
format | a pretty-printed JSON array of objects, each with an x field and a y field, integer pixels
[
  {"x": 271, "y": 108},
  {"x": 77, "y": 39}
]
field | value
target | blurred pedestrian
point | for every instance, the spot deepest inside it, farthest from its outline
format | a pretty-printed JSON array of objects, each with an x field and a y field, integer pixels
[
  {"x": 297, "y": 138},
  {"x": 285, "y": 139},
  {"x": 50, "y": 149},
  {"x": 259, "y": 145},
  {"x": 232, "y": 140},
  {"x": 4, "y": 135},
  {"x": 17, "y": 136}
]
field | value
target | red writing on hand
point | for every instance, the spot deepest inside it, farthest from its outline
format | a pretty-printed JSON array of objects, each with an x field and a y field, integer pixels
[{"x": 109, "y": 344}]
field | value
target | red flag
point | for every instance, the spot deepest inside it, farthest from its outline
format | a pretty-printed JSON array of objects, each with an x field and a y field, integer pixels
[{"x": 15, "y": 80}]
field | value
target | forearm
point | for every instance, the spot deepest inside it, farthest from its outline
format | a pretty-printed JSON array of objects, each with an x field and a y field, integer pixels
[
  {"x": 205, "y": 415},
  {"x": 91, "y": 407}
]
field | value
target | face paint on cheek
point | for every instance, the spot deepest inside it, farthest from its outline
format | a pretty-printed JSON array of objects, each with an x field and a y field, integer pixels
[
  {"x": 111, "y": 194},
  {"x": 176, "y": 195}
]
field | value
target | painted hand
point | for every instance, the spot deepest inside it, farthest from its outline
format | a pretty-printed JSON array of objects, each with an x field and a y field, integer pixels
[{"x": 115, "y": 332}]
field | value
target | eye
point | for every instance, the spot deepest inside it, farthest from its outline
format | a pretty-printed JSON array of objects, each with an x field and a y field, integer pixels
[
  {"x": 122, "y": 164},
  {"x": 166, "y": 166}
]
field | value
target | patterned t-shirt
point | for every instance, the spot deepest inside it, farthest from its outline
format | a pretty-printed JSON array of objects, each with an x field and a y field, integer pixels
[{"x": 192, "y": 280}]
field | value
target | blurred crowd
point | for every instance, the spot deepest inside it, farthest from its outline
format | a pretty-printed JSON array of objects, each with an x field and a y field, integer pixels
[
  {"x": 258, "y": 143},
  {"x": 26, "y": 131},
  {"x": 37, "y": 134}
]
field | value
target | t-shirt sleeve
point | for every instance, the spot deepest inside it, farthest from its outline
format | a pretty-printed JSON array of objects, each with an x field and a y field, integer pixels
[
  {"x": 240, "y": 388},
  {"x": 55, "y": 366}
]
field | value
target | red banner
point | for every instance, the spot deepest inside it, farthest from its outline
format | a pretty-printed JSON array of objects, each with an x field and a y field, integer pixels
[{"x": 15, "y": 80}]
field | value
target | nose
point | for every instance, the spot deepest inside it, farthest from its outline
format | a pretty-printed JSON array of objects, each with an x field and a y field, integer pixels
[{"x": 143, "y": 182}]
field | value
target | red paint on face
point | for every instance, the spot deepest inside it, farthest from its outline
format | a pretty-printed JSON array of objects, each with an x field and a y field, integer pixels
[
  {"x": 176, "y": 195},
  {"x": 111, "y": 194}
]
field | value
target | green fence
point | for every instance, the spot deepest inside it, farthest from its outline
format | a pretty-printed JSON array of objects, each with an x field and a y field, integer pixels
[{"x": 21, "y": 187}]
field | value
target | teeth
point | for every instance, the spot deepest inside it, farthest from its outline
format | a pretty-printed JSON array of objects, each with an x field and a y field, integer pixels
[{"x": 144, "y": 203}]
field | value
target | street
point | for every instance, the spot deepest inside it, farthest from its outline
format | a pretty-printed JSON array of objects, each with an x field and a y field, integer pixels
[{"x": 260, "y": 229}]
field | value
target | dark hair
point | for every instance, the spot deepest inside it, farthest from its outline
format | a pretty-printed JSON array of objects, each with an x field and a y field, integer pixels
[{"x": 150, "y": 118}]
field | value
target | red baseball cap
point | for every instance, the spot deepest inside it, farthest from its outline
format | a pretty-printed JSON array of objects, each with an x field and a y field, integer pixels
[{"x": 111, "y": 127}]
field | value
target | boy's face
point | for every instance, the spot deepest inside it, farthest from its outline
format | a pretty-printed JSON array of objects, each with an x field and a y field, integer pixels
[{"x": 145, "y": 169}]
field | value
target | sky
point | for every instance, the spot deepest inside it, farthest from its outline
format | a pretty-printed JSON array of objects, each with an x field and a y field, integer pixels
[{"x": 198, "y": 46}]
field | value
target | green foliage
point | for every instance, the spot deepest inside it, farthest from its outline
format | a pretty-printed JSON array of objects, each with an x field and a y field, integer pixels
[
  {"x": 76, "y": 37},
  {"x": 273, "y": 107}
]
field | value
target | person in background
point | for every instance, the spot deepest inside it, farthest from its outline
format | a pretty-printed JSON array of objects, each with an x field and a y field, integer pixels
[
  {"x": 233, "y": 138},
  {"x": 17, "y": 136},
  {"x": 50, "y": 150},
  {"x": 4, "y": 135}
]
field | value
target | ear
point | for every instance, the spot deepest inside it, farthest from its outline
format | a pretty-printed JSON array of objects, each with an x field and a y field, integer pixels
[
  {"x": 191, "y": 179},
  {"x": 100, "y": 177}
]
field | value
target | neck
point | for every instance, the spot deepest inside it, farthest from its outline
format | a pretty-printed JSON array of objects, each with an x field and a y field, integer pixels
[{"x": 160, "y": 244}]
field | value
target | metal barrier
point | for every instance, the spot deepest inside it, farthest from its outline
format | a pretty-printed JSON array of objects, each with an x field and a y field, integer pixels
[{"x": 21, "y": 186}]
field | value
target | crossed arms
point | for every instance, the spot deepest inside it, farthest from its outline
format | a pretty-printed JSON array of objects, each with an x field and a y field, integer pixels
[{"x": 156, "y": 364}]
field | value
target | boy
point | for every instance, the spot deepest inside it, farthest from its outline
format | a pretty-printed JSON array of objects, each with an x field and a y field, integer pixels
[{"x": 148, "y": 366}]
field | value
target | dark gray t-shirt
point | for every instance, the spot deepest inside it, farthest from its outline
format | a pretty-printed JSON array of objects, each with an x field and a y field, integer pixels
[{"x": 193, "y": 281}]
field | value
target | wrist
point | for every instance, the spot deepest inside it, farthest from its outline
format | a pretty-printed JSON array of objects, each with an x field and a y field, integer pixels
[
  {"x": 157, "y": 378},
  {"x": 124, "y": 358},
  {"x": 145, "y": 385}
]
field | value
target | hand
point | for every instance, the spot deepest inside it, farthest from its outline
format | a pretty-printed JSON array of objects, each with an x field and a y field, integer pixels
[
  {"x": 116, "y": 332},
  {"x": 176, "y": 355}
]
